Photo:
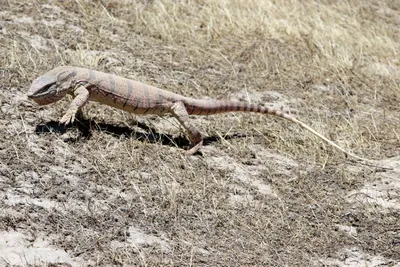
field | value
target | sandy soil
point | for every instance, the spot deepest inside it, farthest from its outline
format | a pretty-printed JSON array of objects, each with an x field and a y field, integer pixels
[{"x": 115, "y": 189}]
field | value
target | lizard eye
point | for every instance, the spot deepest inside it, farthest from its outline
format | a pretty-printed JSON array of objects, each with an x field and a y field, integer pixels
[{"x": 47, "y": 88}]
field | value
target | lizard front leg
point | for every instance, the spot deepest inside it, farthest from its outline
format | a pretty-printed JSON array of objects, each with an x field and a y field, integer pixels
[
  {"x": 179, "y": 111},
  {"x": 81, "y": 97}
]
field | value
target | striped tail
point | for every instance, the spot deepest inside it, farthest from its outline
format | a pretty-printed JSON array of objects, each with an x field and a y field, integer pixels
[{"x": 210, "y": 107}]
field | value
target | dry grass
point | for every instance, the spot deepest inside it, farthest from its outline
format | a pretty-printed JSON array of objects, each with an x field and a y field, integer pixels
[{"x": 264, "y": 191}]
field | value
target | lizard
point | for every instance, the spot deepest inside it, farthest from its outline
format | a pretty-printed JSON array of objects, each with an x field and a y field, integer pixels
[{"x": 132, "y": 96}]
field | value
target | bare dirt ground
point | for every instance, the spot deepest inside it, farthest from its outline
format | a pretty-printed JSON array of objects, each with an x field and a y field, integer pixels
[{"x": 115, "y": 189}]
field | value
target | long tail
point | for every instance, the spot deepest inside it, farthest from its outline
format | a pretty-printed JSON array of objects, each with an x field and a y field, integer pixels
[
  {"x": 305, "y": 126},
  {"x": 210, "y": 107}
]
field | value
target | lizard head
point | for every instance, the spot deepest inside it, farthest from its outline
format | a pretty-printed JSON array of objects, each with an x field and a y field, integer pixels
[{"x": 52, "y": 86}]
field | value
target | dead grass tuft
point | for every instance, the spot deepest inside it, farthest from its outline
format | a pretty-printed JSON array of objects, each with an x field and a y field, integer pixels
[{"x": 116, "y": 190}]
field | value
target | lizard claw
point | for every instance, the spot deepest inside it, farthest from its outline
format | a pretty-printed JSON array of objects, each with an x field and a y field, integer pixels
[
  {"x": 194, "y": 149},
  {"x": 67, "y": 118}
]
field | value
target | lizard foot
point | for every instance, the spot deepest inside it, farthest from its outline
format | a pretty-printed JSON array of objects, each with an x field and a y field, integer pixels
[
  {"x": 194, "y": 149},
  {"x": 69, "y": 117}
]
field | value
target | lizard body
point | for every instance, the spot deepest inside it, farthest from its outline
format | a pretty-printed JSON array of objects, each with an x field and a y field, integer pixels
[{"x": 136, "y": 97}]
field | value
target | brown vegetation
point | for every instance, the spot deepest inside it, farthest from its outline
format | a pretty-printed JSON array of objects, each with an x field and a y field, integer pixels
[{"x": 115, "y": 189}]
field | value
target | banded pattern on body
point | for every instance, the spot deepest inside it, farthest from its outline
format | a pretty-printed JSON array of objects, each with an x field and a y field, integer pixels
[{"x": 137, "y": 97}]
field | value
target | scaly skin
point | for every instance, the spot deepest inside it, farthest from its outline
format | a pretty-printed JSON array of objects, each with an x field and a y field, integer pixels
[{"x": 132, "y": 96}]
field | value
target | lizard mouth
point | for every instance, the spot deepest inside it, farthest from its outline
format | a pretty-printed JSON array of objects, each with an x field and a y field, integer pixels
[
  {"x": 42, "y": 87},
  {"x": 47, "y": 90},
  {"x": 44, "y": 96},
  {"x": 41, "y": 101},
  {"x": 30, "y": 95}
]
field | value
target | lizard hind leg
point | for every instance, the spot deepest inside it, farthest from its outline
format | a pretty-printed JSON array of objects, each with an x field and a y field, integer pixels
[{"x": 178, "y": 110}]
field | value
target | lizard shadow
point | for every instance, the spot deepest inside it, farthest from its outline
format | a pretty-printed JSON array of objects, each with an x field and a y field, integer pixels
[{"x": 86, "y": 127}]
